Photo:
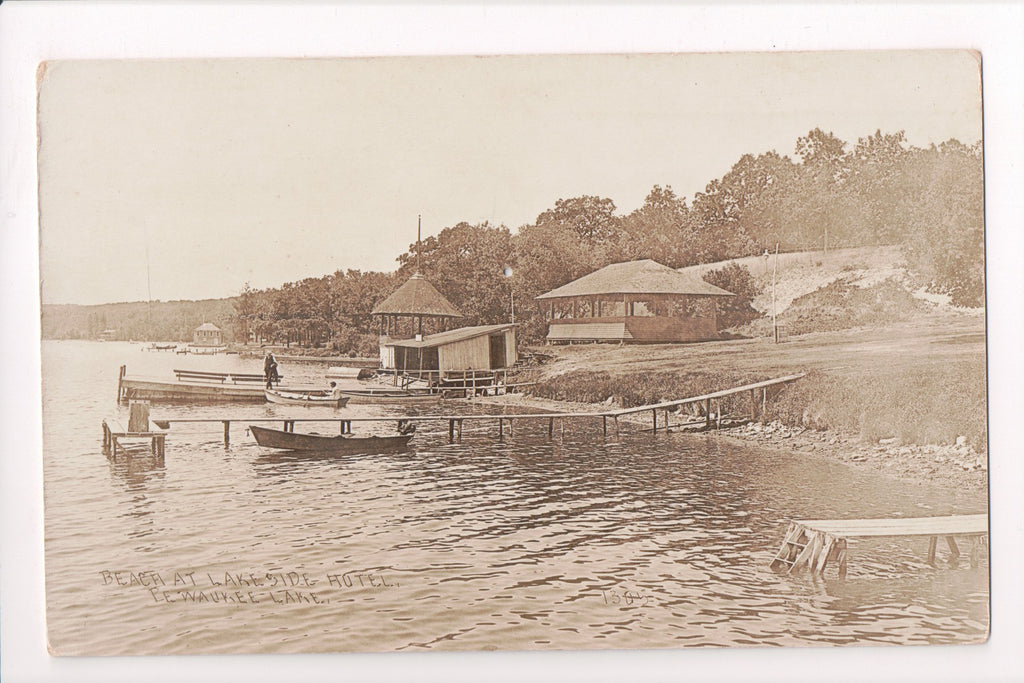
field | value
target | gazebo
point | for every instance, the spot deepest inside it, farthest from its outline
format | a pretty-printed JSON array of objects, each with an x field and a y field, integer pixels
[
  {"x": 207, "y": 334},
  {"x": 637, "y": 301},
  {"x": 403, "y": 314}
]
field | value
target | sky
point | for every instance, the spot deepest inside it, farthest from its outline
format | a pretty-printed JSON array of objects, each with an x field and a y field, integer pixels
[{"x": 188, "y": 179}]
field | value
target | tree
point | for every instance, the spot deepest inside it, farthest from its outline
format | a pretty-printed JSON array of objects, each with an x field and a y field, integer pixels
[
  {"x": 821, "y": 149},
  {"x": 658, "y": 230},
  {"x": 591, "y": 218},
  {"x": 941, "y": 213},
  {"x": 467, "y": 263},
  {"x": 823, "y": 168},
  {"x": 735, "y": 310}
]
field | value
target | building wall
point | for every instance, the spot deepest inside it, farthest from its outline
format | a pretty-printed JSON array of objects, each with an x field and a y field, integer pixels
[
  {"x": 511, "y": 352},
  {"x": 387, "y": 357},
  {"x": 467, "y": 354},
  {"x": 641, "y": 329},
  {"x": 207, "y": 338}
]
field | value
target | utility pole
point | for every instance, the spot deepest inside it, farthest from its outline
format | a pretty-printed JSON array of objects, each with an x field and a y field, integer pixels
[{"x": 775, "y": 270}]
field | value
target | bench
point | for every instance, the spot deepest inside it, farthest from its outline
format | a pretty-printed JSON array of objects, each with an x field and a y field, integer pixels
[
  {"x": 221, "y": 377},
  {"x": 114, "y": 432}
]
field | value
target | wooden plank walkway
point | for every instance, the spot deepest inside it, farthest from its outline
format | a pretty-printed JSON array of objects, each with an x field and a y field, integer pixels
[
  {"x": 455, "y": 422},
  {"x": 812, "y": 544}
]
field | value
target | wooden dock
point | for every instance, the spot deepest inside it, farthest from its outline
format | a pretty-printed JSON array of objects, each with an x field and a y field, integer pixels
[
  {"x": 758, "y": 395},
  {"x": 114, "y": 433},
  {"x": 811, "y": 544}
]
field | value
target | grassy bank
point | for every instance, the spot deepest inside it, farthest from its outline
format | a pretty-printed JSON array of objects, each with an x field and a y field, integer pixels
[
  {"x": 934, "y": 406},
  {"x": 920, "y": 381}
]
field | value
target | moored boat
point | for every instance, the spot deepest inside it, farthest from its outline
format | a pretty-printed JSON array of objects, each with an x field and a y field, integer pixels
[
  {"x": 389, "y": 396},
  {"x": 341, "y": 444},
  {"x": 299, "y": 397}
]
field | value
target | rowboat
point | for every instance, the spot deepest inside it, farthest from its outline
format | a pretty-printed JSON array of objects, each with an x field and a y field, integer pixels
[
  {"x": 305, "y": 398},
  {"x": 342, "y": 444},
  {"x": 389, "y": 396}
]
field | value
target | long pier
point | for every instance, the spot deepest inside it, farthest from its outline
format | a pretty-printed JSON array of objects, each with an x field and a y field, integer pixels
[
  {"x": 811, "y": 544},
  {"x": 758, "y": 392}
]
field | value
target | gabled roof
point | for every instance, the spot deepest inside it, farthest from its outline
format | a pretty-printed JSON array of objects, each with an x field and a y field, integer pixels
[
  {"x": 208, "y": 327},
  {"x": 635, "y": 277},
  {"x": 449, "y": 337},
  {"x": 417, "y": 297}
]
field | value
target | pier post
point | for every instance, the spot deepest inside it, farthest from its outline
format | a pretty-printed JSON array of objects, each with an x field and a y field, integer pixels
[
  {"x": 616, "y": 418},
  {"x": 753, "y": 404},
  {"x": 227, "y": 432},
  {"x": 120, "y": 379},
  {"x": 551, "y": 427},
  {"x": 932, "y": 543},
  {"x": 953, "y": 549},
  {"x": 451, "y": 431},
  {"x": 501, "y": 427},
  {"x": 707, "y": 414},
  {"x": 654, "y": 417},
  {"x": 460, "y": 430}
]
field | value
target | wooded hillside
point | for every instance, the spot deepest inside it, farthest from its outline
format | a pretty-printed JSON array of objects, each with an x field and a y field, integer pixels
[{"x": 877, "y": 191}]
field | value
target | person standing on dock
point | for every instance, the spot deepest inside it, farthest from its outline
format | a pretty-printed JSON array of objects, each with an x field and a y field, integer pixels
[
  {"x": 270, "y": 370},
  {"x": 335, "y": 390}
]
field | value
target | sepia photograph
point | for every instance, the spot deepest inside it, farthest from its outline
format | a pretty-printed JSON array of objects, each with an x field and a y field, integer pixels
[
  {"x": 507, "y": 353},
  {"x": 668, "y": 367}
]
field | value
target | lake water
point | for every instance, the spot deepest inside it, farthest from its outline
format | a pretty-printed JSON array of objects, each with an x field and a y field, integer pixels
[{"x": 572, "y": 542}]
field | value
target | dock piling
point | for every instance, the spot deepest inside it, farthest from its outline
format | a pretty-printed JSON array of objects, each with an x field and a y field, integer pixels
[{"x": 811, "y": 545}]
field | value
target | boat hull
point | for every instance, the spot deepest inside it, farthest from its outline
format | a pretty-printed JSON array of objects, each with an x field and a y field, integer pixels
[
  {"x": 190, "y": 392},
  {"x": 274, "y": 438},
  {"x": 309, "y": 399},
  {"x": 361, "y": 396}
]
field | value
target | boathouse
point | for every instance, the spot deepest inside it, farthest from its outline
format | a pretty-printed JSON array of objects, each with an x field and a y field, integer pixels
[
  {"x": 637, "y": 302},
  {"x": 207, "y": 334},
  {"x": 466, "y": 351}
]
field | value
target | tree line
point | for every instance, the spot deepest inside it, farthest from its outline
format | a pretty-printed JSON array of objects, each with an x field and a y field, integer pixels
[{"x": 829, "y": 194}]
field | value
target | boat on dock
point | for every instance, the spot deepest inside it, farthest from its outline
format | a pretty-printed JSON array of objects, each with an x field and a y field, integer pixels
[
  {"x": 343, "y": 372},
  {"x": 343, "y": 444},
  {"x": 192, "y": 386},
  {"x": 302, "y": 397}
]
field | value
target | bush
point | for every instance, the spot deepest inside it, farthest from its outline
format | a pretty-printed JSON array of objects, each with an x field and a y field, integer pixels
[{"x": 736, "y": 279}]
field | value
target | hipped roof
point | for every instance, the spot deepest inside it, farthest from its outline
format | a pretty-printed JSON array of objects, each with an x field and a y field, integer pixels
[
  {"x": 209, "y": 327},
  {"x": 450, "y": 337},
  {"x": 417, "y": 297},
  {"x": 635, "y": 277}
]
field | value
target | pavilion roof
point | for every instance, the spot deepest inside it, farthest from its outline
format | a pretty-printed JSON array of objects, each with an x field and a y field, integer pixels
[
  {"x": 636, "y": 277},
  {"x": 417, "y": 297}
]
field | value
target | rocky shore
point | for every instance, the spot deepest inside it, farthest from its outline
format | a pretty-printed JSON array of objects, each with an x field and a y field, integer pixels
[{"x": 956, "y": 465}]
